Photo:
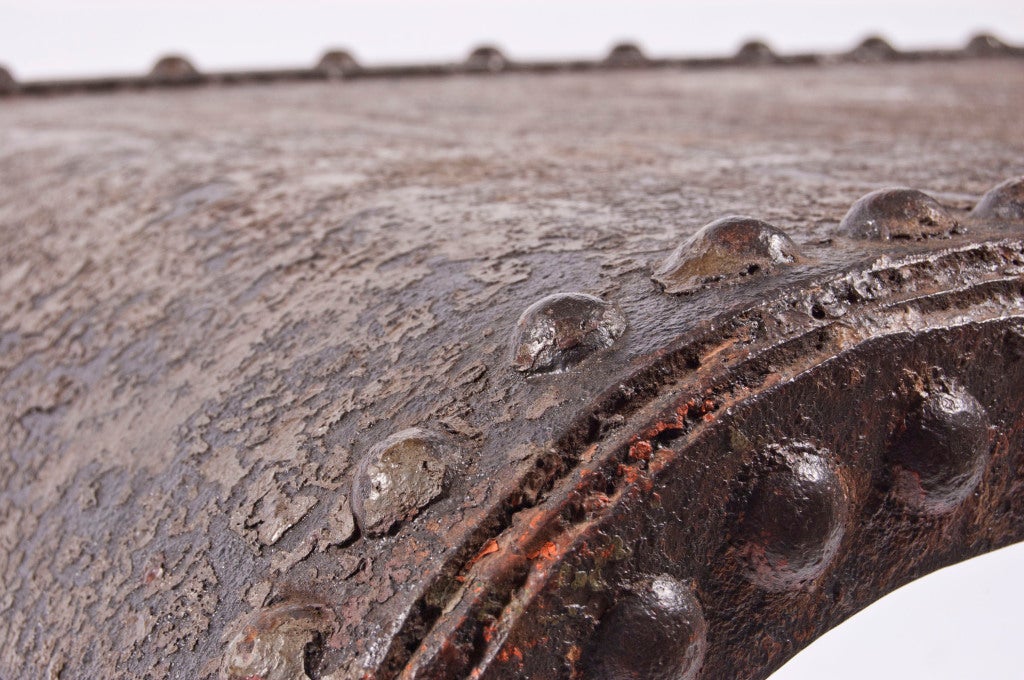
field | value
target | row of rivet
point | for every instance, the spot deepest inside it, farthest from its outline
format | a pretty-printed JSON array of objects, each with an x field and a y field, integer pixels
[
  {"x": 792, "y": 524},
  {"x": 795, "y": 512},
  {"x": 560, "y": 330},
  {"x": 176, "y": 69}
]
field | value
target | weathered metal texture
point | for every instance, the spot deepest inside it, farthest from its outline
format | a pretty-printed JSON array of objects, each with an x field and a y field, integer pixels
[{"x": 231, "y": 317}]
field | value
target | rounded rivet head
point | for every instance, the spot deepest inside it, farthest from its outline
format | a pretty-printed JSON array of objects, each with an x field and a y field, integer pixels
[
  {"x": 656, "y": 632},
  {"x": 486, "y": 58},
  {"x": 280, "y": 642},
  {"x": 986, "y": 45},
  {"x": 943, "y": 450},
  {"x": 793, "y": 519},
  {"x": 755, "y": 52},
  {"x": 337, "y": 64},
  {"x": 173, "y": 68},
  {"x": 561, "y": 330},
  {"x": 727, "y": 249},
  {"x": 897, "y": 214},
  {"x": 1003, "y": 202},
  {"x": 625, "y": 54},
  {"x": 874, "y": 48},
  {"x": 397, "y": 478},
  {"x": 7, "y": 82}
]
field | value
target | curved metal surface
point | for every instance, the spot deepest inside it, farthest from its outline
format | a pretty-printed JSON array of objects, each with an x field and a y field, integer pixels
[{"x": 272, "y": 406}]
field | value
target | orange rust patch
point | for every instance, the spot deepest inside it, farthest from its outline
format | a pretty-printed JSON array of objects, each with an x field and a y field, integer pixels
[
  {"x": 548, "y": 551},
  {"x": 490, "y": 546},
  {"x": 588, "y": 453},
  {"x": 661, "y": 426},
  {"x": 641, "y": 450},
  {"x": 629, "y": 473}
]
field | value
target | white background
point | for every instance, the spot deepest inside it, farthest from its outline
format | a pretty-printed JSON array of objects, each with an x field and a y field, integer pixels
[
  {"x": 964, "y": 622},
  {"x": 46, "y": 38}
]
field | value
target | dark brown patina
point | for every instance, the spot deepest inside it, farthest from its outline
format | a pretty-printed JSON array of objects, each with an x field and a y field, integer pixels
[{"x": 231, "y": 316}]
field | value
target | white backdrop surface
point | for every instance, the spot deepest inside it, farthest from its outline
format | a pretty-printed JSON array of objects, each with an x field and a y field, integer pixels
[{"x": 51, "y": 38}]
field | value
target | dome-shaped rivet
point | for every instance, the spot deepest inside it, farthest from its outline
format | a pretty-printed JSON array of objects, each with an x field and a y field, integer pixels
[
  {"x": 397, "y": 478},
  {"x": 625, "y": 54},
  {"x": 561, "y": 330},
  {"x": 337, "y": 64},
  {"x": 486, "y": 58},
  {"x": 7, "y": 82},
  {"x": 793, "y": 519},
  {"x": 1003, "y": 202},
  {"x": 280, "y": 642},
  {"x": 174, "y": 68},
  {"x": 897, "y": 214},
  {"x": 755, "y": 52},
  {"x": 656, "y": 632},
  {"x": 941, "y": 454},
  {"x": 873, "y": 49},
  {"x": 986, "y": 45},
  {"x": 726, "y": 249}
]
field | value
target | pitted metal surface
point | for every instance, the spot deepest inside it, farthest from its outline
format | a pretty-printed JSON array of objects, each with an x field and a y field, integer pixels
[{"x": 218, "y": 305}]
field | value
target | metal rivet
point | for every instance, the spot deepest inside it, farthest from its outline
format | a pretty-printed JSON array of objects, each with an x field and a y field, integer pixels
[
  {"x": 397, "y": 478},
  {"x": 755, "y": 52},
  {"x": 486, "y": 58},
  {"x": 656, "y": 632},
  {"x": 174, "y": 68},
  {"x": 726, "y": 249},
  {"x": 1003, "y": 202},
  {"x": 898, "y": 213},
  {"x": 7, "y": 81},
  {"x": 986, "y": 45},
  {"x": 942, "y": 452},
  {"x": 874, "y": 48},
  {"x": 625, "y": 54},
  {"x": 337, "y": 64},
  {"x": 793, "y": 519},
  {"x": 560, "y": 330},
  {"x": 280, "y": 642}
]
